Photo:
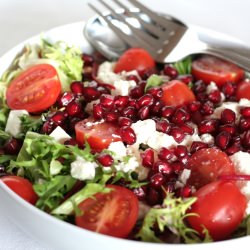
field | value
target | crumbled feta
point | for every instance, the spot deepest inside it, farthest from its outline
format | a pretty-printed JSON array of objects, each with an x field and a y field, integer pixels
[
  {"x": 128, "y": 166},
  {"x": 59, "y": 135},
  {"x": 82, "y": 169},
  {"x": 106, "y": 73},
  {"x": 241, "y": 162},
  {"x": 183, "y": 177},
  {"x": 211, "y": 87},
  {"x": 207, "y": 138},
  {"x": 118, "y": 148},
  {"x": 13, "y": 125},
  {"x": 122, "y": 87},
  {"x": 189, "y": 139},
  {"x": 89, "y": 106}
]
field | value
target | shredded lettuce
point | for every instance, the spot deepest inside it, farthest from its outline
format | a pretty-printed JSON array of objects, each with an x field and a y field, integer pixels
[
  {"x": 153, "y": 81},
  {"x": 4, "y": 110},
  {"x": 184, "y": 66},
  {"x": 67, "y": 207},
  {"x": 171, "y": 216}
]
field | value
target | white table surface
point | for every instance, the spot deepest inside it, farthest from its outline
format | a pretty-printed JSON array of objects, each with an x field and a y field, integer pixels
[{"x": 21, "y": 19}]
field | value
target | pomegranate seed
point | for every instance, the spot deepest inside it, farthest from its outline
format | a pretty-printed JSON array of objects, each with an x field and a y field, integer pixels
[
  {"x": 127, "y": 135},
  {"x": 88, "y": 73},
  {"x": 65, "y": 98},
  {"x": 136, "y": 92},
  {"x": 107, "y": 101},
  {"x": 244, "y": 124},
  {"x": 228, "y": 89},
  {"x": 121, "y": 101},
  {"x": 145, "y": 100},
  {"x": 199, "y": 87},
  {"x": 230, "y": 128},
  {"x": 214, "y": 96},
  {"x": 222, "y": 139},
  {"x": 180, "y": 116},
  {"x": 111, "y": 116},
  {"x": 76, "y": 87},
  {"x": 147, "y": 158},
  {"x": 132, "y": 103},
  {"x": 48, "y": 127},
  {"x": 153, "y": 197},
  {"x": 167, "y": 111},
  {"x": 208, "y": 126},
  {"x": 87, "y": 59},
  {"x": 90, "y": 93},
  {"x": 184, "y": 160},
  {"x": 177, "y": 134},
  {"x": 58, "y": 118},
  {"x": 185, "y": 78},
  {"x": 124, "y": 121},
  {"x": 194, "y": 106},
  {"x": 105, "y": 160},
  {"x": 186, "y": 129},
  {"x": 233, "y": 149},
  {"x": 207, "y": 108},
  {"x": 133, "y": 78},
  {"x": 98, "y": 111},
  {"x": 197, "y": 117},
  {"x": 163, "y": 167},
  {"x": 156, "y": 92},
  {"x": 12, "y": 146},
  {"x": 140, "y": 193},
  {"x": 143, "y": 113},
  {"x": 170, "y": 71},
  {"x": 246, "y": 139},
  {"x": 245, "y": 112},
  {"x": 185, "y": 192},
  {"x": 73, "y": 108},
  {"x": 163, "y": 126},
  {"x": 103, "y": 91},
  {"x": 181, "y": 151},
  {"x": 197, "y": 145},
  {"x": 165, "y": 154},
  {"x": 227, "y": 116},
  {"x": 177, "y": 167},
  {"x": 70, "y": 142},
  {"x": 129, "y": 112},
  {"x": 157, "y": 180},
  {"x": 202, "y": 97},
  {"x": 156, "y": 108}
]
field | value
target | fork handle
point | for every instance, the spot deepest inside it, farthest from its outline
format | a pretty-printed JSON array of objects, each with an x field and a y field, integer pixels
[{"x": 239, "y": 56}]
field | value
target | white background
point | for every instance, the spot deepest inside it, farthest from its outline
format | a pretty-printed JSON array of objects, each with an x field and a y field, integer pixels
[{"x": 21, "y": 19}]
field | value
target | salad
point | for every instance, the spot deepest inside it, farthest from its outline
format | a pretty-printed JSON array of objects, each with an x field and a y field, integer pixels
[{"x": 130, "y": 149}]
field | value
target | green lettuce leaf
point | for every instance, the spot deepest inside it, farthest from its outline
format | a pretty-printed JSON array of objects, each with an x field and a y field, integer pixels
[
  {"x": 170, "y": 215},
  {"x": 67, "y": 207},
  {"x": 184, "y": 66}
]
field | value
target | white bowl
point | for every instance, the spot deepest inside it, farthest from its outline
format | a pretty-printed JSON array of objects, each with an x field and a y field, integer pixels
[{"x": 61, "y": 235}]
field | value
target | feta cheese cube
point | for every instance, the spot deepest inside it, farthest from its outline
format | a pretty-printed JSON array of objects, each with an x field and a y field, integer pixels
[{"x": 59, "y": 135}]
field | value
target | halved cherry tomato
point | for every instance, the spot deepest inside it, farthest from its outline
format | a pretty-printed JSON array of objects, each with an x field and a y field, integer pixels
[
  {"x": 220, "y": 208},
  {"x": 135, "y": 59},
  {"x": 207, "y": 165},
  {"x": 243, "y": 90},
  {"x": 21, "y": 186},
  {"x": 114, "y": 213},
  {"x": 210, "y": 68},
  {"x": 176, "y": 93},
  {"x": 98, "y": 135},
  {"x": 35, "y": 89}
]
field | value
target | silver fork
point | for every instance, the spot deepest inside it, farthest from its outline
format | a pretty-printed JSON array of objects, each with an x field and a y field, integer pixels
[{"x": 166, "y": 38}]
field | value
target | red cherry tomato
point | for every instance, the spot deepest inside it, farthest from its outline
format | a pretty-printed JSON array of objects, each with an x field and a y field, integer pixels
[
  {"x": 176, "y": 93},
  {"x": 210, "y": 68},
  {"x": 243, "y": 90},
  {"x": 114, "y": 213},
  {"x": 135, "y": 59},
  {"x": 22, "y": 187},
  {"x": 35, "y": 89},
  {"x": 98, "y": 135},
  {"x": 207, "y": 165},
  {"x": 220, "y": 207}
]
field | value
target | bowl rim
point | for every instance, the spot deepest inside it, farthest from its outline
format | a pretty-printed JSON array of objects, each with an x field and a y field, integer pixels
[{"x": 5, "y": 60}]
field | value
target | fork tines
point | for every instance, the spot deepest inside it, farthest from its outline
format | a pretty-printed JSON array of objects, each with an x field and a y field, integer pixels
[{"x": 141, "y": 27}]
